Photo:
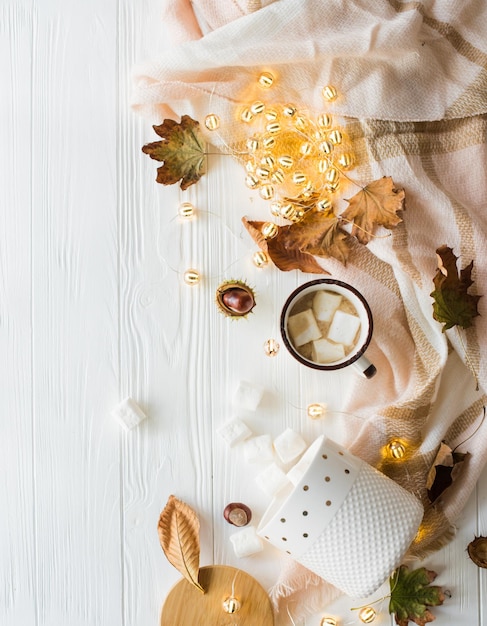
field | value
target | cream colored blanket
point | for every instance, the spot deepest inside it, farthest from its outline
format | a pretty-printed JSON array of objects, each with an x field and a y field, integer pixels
[{"x": 414, "y": 81}]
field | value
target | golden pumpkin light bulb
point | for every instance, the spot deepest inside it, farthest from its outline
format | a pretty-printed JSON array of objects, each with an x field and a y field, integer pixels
[
  {"x": 212, "y": 121},
  {"x": 231, "y": 605},
  {"x": 260, "y": 259},
  {"x": 266, "y": 80},
  {"x": 316, "y": 411},
  {"x": 328, "y": 621},
  {"x": 186, "y": 210},
  {"x": 396, "y": 448},
  {"x": 367, "y": 615},
  {"x": 271, "y": 347},
  {"x": 269, "y": 230},
  {"x": 191, "y": 277},
  {"x": 329, "y": 93}
]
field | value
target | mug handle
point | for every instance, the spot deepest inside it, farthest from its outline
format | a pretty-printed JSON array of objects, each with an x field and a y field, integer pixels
[{"x": 365, "y": 367}]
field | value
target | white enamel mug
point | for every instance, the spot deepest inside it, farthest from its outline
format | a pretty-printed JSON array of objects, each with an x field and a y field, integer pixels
[{"x": 356, "y": 355}]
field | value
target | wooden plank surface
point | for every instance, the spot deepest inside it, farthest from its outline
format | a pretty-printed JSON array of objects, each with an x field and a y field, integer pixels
[{"x": 93, "y": 308}]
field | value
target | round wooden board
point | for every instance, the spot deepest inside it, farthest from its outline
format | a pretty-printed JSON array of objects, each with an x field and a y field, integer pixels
[{"x": 186, "y": 605}]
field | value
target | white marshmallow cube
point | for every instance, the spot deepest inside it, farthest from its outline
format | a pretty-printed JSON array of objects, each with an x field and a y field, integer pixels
[
  {"x": 128, "y": 413},
  {"x": 259, "y": 449},
  {"x": 246, "y": 542},
  {"x": 248, "y": 395},
  {"x": 289, "y": 445},
  {"x": 325, "y": 303},
  {"x": 302, "y": 328},
  {"x": 325, "y": 351},
  {"x": 271, "y": 480},
  {"x": 234, "y": 431},
  {"x": 344, "y": 328}
]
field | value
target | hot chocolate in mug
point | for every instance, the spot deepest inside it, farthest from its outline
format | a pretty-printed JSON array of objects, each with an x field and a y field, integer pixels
[{"x": 327, "y": 324}]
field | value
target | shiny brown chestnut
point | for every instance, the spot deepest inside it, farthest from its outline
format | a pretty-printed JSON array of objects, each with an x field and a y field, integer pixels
[{"x": 237, "y": 514}]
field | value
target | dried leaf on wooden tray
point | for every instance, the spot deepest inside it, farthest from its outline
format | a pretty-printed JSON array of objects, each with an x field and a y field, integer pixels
[
  {"x": 376, "y": 204},
  {"x": 182, "y": 150},
  {"x": 453, "y": 305},
  {"x": 178, "y": 530},
  {"x": 445, "y": 468},
  {"x": 411, "y": 595}
]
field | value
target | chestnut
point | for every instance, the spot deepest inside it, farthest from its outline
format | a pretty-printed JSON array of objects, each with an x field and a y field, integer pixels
[
  {"x": 235, "y": 298},
  {"x": 237, "y": 514}
]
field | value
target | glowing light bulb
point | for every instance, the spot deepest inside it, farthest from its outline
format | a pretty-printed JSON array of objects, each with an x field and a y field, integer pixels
[
  {"x": 345, "y": 160},
  {"x": 336, "y": 137},
  {"x": 186, "y": 210},
  {"x": 212, "y": 121},
  {"x": 231, "y": 605},
  {"x": 329, "y": 93},
  {"x": 288, "y": 212},
  {"x": 269, "y": 230},
  {"x": 328, "y": 621},
  {"x": 266, "y": 192},
  {"x": 325, "y": 120},
  {"x": 289, "y": 110},
  {"x": 257, "y": 107},
  {"x": 191, "y": 277},
  {"x": 271, "y": 347},
  {"x": 260, "y": 259},
  {"x": 316, "y": 411},
  {"x": 286, "y": 161},
  {"x": 396, "y": 448},
  {"x": 246, "y": 116},
  {"x": 367, "y": 615},
  {"x": 266, "y": 80},
  {"x": 324, "y": 204}
]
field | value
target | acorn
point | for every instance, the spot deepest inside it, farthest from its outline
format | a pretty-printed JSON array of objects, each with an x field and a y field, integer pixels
[
  {"x": 477, "y": 551},
  {"x": 235, "y": 299}
]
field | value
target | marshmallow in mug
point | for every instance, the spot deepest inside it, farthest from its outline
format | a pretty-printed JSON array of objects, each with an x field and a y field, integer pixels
[{"x": 327, "y": 324}]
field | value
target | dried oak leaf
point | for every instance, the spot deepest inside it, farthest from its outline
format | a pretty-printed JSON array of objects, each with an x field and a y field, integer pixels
[
  {"x": 411, "y": 595},
  {"x": 182, "y": 150},
  {"x": 453, "y": 306},
  {"x": 446, "y": 467},
  {"x": 376, "y": 204},
  {"x": 296, "y": 245},
  {"x": 178, "y": 530}
]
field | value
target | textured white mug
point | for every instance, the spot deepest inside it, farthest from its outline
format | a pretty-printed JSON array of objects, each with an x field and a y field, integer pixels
[{"x": 343, "y": 519}]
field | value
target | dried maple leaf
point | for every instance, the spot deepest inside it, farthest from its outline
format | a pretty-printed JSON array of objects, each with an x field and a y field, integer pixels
[
  {"x": 296, "y": 245},
  {"x": 411, "y": 595},
  {"x": 453, "y": 306},
  {"x": 178, "y": 530},
  {"x": 182, "y": 149},
  {"x": 445, "y": 468},
  {"x": 376, "y": 204}
]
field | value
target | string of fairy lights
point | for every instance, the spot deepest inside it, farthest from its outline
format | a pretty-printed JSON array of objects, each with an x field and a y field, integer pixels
[{"x": 297, "y": 162}]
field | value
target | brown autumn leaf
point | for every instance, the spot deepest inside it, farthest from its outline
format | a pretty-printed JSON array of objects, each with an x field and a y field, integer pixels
[
  {"x": 182, "y": 150},
  {"x": 178, "y": 530},
  {"x": 296, "y": 245},
  {"x": 376, "y": 204},
  {"x": 284, "y": 258},
  {"x": 446, "y": 467},
  {"x": 453, "y": 306}
]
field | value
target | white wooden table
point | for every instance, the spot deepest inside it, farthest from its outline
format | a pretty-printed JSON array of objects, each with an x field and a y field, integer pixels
[{"x": 93, "y": 309}]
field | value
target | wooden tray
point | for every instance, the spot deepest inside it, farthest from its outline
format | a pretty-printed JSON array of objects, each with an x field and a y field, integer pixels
[{"x": 185, "y": 605}]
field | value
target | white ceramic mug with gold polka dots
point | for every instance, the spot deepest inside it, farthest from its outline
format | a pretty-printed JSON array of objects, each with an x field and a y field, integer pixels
[{"x": 343, "y": 519}]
